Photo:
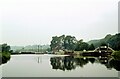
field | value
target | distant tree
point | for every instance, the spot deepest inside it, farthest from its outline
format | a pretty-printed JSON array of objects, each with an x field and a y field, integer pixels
[
  {"x": 6, "y": 48},
  {"x": 57, "y": 43},
  {"x": 91, "y": 47},
  {"x": 63, "y": 42},
  {"x": 114, "y": 42},
  {"x": 103, "y": 44},
  {"x": 54, "y": 43},
  {"x": 48, "y": 49},
  {"x": 82, "y": 46},
  {"x": 80, "y": 41},
  {"x": 70, "y": 42}
]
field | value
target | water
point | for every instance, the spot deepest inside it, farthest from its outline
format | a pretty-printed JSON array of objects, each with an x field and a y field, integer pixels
[{"x": 59, "y": 66}]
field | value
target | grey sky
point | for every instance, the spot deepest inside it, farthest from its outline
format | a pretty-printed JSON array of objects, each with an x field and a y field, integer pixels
[{"x": 26, "y": 22}]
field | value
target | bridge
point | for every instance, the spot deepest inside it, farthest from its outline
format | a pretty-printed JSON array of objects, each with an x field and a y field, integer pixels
[{"x": 102, "y": 50}]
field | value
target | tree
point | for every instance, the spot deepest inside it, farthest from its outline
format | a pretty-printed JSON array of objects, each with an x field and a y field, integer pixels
[
  {"x": 114, "y": 42},
  {"x": 91, "y": 47},
  {"x": 103, "y": 44},
  {"x": 5, "y": 53},
  {"x": 70, "y": 42},
  {"x": 63, "y": 42},
  {"x": 81, "y": 46},
  {"x": 5, "y": 48},
  {"x": 57, "y": 43},
  {"x": 54, "y": 43}
]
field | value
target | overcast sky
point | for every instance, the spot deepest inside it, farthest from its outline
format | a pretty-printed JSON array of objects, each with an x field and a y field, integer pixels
[{"x": 28, "y": 22}]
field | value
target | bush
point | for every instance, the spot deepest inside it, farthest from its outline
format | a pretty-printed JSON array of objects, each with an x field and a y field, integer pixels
[
  {"x": 116, "y": 55},
  {"x": 5, "y": 56}
]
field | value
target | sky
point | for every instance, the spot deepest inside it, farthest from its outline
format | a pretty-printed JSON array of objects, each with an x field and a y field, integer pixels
[{"x": 28, "y": 22}]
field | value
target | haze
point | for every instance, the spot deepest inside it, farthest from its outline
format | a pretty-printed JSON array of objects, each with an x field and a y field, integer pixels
[{"x": 26, "y": 22}]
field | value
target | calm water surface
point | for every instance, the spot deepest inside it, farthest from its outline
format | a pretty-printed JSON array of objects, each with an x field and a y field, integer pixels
[{"x": 59, "y": 66}]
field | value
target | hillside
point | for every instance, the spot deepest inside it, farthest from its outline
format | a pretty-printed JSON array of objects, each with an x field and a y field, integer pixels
[{"x": 112, "y": 40}]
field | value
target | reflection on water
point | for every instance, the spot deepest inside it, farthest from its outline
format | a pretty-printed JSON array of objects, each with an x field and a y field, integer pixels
[
  {"x": 60, "y": 66},
  {"x": 71, "y": 62}
]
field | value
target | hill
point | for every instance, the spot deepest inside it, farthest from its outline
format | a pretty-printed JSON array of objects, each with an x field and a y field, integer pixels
[{"x": 112, "y": 40}]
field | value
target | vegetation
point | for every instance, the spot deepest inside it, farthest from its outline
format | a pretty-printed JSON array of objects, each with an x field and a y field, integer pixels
[
  {"x": 71, "y": 62},
  {"x": 5, "y": 53},
  {"x": 69, "y": 43},
  {"x": 63, "y": 42},
  {"x": 116, "y": 55},
  {"x": 81, "y": 46},
  {"x": 112, "y": 40},
  {"x": 30, "y": 48},
  {"x": 91, "y": 47},
  {"x": 5, "y": 56}
]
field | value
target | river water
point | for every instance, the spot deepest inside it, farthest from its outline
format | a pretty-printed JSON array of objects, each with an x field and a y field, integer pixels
[{"x": 60, "y": 66}]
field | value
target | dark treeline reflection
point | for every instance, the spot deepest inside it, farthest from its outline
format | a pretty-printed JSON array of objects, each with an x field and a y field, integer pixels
[{"x": 71, "y": 62}]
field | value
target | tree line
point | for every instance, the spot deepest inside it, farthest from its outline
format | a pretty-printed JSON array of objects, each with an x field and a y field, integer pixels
[
  {"x": 112, "y": 41},
  {"x": 69, "y": 43}
]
